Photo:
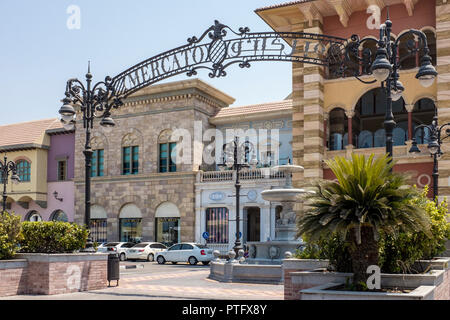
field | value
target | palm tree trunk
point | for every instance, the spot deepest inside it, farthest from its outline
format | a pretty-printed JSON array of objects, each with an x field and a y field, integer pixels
[{"x": 364, "y": 254}]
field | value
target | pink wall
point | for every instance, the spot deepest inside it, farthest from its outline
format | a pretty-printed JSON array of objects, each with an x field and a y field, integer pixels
[
  {"x": 424, "y": 15},
  {"x": 66, "y": 191},
  {"x": 61, "y": 145}
]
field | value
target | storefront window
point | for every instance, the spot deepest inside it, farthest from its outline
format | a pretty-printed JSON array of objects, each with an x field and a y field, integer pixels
[
  {"x": 168, "y": 230},
  {"x": 131, "y": 230}
]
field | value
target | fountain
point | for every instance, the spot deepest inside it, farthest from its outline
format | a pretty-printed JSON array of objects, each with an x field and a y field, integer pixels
[
  {"x": 273, "y": 251},
  {"x": 264, "y": 264}
]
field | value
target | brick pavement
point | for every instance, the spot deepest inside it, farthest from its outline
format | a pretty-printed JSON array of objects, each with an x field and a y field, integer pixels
[{"x": 170, "y": 282}]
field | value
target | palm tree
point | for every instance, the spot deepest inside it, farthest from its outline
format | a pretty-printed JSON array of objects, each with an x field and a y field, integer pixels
[{"x": 367, "y": 199}]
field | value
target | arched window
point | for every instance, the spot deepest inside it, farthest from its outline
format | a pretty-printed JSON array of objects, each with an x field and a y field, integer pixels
[
  {"x": 130, "y": 154},
  {"x": 369, "y": 118},
  {"x": 423, "y": 113},
  {"x": 407, "y": 43},
  {"x": 335, "y": 58},
  {"x": 368, "y": 52},
  {"x": 33, "y": 216},
  {"x": 24, "y": 170},
  {"x": 60, "y": 216},
  {"x": 338, "y": 124},
  {"x": 431, "y": 41}
]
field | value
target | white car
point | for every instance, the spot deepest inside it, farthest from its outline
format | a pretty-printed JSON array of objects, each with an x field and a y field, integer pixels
[
  {"x": 145, "y": 251},
  {"x": 116, "y": 247},
  {"x": 186, "y": 252}
]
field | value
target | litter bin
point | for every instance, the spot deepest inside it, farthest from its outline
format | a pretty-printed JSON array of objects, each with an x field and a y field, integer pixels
[{"x": 113, "y": 268}]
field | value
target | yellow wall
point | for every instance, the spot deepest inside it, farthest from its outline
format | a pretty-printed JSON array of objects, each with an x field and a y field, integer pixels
[
  {"x": 345, "y": 93},
  {"x": 36, "y": 189}
]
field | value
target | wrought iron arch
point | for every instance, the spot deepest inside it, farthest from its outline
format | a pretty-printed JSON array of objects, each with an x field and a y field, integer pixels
[{"x": 218, "y": 53}]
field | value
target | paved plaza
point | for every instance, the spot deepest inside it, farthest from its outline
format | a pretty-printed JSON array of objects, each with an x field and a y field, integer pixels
[{"x": 150, "y": 281}]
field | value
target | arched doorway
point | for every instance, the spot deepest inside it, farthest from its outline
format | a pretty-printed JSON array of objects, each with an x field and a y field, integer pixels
[
  {"x": 167, "y": 223},
  {"x": 130, "y": 227}
]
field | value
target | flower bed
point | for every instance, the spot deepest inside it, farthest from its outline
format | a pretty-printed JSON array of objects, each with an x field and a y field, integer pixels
[{"x": 301, "y": 285}]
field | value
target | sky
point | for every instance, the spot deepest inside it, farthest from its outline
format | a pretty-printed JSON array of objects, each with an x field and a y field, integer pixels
[{"x": 39, "y": 53}]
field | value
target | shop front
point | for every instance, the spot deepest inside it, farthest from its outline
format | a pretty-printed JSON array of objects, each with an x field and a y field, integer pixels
[{"x": 167, "y": 222}]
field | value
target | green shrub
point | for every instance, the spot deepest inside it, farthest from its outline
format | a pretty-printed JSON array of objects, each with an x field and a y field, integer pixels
[
  {"x": 10, "y": 235},
  {"x": 399, "y": 252},
  {"x": 52, "y": 237},
  {"x": 333, "y": 248}
]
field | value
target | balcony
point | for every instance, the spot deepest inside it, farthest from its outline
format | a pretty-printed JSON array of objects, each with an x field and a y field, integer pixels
[{"x": 265, "y": 174}]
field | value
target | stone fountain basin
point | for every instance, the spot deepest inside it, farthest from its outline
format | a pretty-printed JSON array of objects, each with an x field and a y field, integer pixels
[{"x": 280, "y": 195}]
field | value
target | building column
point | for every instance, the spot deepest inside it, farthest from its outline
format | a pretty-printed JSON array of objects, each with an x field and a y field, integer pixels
[
  {"x": 325, "y": 129},
  {"x": 313, "y": 111},
  {"x": 265, "y": 219},
  {"x": 350, "y": 114},
  {"x": 297, "y": 111},
  {"x": 199, "y": 217},
  {"x": 409, "y": 108}
]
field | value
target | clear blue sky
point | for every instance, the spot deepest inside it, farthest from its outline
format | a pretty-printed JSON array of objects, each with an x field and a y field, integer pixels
[{"x": 39, "y": 53}]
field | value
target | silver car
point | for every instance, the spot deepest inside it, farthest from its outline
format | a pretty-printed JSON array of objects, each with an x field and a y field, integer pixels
[
  {"x": 186, "y": 252},
  {"x": 116, "y": 247},
  {"x": 145, "y": 251}
]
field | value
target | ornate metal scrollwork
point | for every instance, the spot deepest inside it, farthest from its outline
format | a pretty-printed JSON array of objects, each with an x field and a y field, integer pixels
[{"x": 212, "y": 51}]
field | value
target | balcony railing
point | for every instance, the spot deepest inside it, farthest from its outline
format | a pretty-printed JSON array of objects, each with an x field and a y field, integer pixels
[{"x": 230, "y": 175}]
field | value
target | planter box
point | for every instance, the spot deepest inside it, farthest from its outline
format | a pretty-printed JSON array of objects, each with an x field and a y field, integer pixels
[
  {"x": 247, "y": 273},
  {"x": 13, "y": 277},
  {"x": 295, "y": 265},
  {"x": 322, "y": 292},
  {"x": 50, "y": 274},
  {"x": 437, "y": 279}
]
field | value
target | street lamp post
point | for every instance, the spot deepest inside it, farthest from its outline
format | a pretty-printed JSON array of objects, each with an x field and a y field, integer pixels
[
  {"x": 385, "y": 69},
  {"x": 434, "y": 147},
  {"x": 5, "y": 168},
  {"x": 236, "y": 160},
  {"x": 94, "y": 101}
]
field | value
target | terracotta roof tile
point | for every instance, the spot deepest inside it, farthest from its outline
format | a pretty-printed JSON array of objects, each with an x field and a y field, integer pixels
[
  {"x": 255, "y": 108},
  {"x": 26, "y": 132}
]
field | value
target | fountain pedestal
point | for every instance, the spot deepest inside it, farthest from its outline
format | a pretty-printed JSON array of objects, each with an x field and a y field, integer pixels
[{"x": 273, "y": 252}]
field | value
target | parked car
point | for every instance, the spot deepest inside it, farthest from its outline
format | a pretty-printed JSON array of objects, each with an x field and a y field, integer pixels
[
  {"x": 116, "y": 247},
  {"x": 145, "y": 251},
  {"x": 186, "y": 252}
]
